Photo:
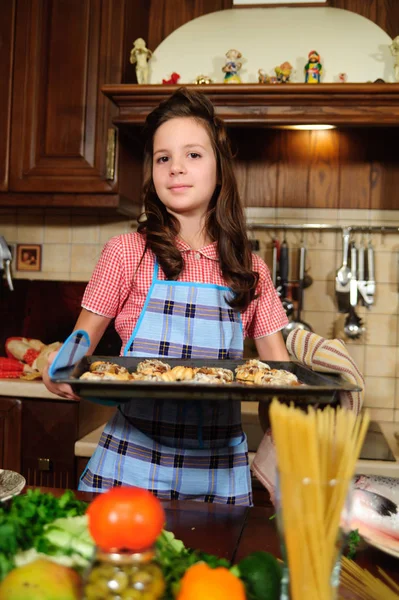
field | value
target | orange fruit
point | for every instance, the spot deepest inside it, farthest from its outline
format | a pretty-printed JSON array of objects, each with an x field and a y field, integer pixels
[{"x": 200, "y": 581}]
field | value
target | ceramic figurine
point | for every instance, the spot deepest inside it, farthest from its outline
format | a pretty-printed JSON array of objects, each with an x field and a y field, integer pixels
[
  {"x": 342, "y": 77},
  {"x": 232, "y": 67},
  {"x": 174, "y": 78},
  {"x": 313, "y": 68},
  {"x": 139, "y": 56},
  {"x": 283, "y": 72},
  {"x": 202, "y": 79},
  {"x": 263, "y": 77},
  {"x": 394, "y": 47}
]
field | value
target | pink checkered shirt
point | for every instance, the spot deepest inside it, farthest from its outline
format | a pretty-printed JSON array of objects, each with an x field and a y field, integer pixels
[{"x": 118, "y": 287}]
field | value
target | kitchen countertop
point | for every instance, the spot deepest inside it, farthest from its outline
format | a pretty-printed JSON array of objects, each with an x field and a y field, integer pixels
[{"x": 27, "y": 389}]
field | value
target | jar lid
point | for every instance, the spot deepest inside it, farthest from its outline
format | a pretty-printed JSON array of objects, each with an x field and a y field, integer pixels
[{"x": 125, "y": 557}]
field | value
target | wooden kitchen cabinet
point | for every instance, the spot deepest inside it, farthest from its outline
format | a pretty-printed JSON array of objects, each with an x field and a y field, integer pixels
[
  {"x": 49, "y": 430},
  {"x": 64, "y": 51},
  {"x": 7, "y": 23},
  {"x": 10, "y": 433}
]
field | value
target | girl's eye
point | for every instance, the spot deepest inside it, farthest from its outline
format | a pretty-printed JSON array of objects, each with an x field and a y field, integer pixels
[
  {"x": 162, "y": 159},
  {"x": 194, "y": 155}
]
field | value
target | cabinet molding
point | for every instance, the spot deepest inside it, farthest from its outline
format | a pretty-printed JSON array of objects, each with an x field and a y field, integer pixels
[{"x": 258, "y": 104}]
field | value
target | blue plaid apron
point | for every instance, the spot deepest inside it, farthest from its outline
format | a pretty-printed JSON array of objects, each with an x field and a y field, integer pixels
[{"x": 178, "y": 450}]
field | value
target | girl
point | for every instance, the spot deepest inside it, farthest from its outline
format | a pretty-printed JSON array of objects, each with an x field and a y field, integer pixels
[{"x": 186, "y": 285}]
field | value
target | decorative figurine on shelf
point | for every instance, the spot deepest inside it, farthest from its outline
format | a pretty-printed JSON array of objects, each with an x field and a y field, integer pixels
[
  {"x": 313, "y": 68},
  {"x": 232, "y": 67},
  {"x": 263, "y": 77},
  {"x": 283, "y": 72},
  {"x": 342, "y": 77},
  {"x": 174, "y": 78},
  {"x": 139, "y": 56},
  {"x": 202, "y": 79},
  {"x": 394, "y": 47}
]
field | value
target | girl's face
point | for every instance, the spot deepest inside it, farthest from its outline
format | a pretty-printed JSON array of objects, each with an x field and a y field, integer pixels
[{"x": 184, "y": 168}]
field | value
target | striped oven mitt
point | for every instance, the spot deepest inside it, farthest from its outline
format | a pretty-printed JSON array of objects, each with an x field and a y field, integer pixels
[{"x": 325, "y": 356}]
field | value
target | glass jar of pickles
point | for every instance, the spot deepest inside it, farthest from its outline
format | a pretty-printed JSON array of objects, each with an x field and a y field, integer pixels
[{"x": 124, "y": 575}]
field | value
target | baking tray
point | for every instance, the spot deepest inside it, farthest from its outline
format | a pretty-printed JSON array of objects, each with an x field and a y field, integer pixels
[{"x": 317, "y": 388}]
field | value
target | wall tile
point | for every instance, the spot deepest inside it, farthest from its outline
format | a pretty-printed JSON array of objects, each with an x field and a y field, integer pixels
[
  {"x": 322, "y": 323},
  {"x": 8, "y": 227},
  {"x": 353, "y": 216},
  {"x": 386, "y": 299},
  {"x": 380, "y": 392},
  {"x": 382, "y": 330},
  {"x": 381, "y": 361},
  {"x": 30, "y": 228},
  {"x": 386, "y": 267},
  {"x": 84, "y": 259},
  {"x": 322, "y": 264},
  {"x": 56, "y": 258},
  {"x": 319, "y": 297},
  {"x": 85, "y": 230},
  {"x": 321, "y": 240},
  {"x": 358, "y": 353},
  {"x": 57, "y": 229},
  {"x": 109, "y": 229}
]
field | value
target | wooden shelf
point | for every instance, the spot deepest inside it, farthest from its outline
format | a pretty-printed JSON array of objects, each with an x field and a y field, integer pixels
[{"x": 348, "y": 104}]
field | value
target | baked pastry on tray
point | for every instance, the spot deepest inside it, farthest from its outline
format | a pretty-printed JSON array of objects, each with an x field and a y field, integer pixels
[
  {"x": 248, "y": 370},
  {"x": 276, "y": 377},
  {"x": 252, "y": 372}
]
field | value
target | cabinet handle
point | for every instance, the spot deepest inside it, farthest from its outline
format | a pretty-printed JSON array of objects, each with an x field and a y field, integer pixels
[
  {"x": 44, "y": 464},
  {"x": 110, "y": 163}
]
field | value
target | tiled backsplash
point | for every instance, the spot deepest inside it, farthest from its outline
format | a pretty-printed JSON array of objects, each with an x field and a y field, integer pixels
[{"x": 71, "y": 245}]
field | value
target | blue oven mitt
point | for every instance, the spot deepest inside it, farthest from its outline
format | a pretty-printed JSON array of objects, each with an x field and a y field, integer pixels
[
  {"x": 73, "y": 349},
  {"x": 71, "y": 352}
]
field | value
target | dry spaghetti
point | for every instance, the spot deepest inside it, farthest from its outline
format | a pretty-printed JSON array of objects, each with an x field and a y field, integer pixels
[
  {"x": 316, "y": 457},
  {"x": 364, "y": 585}
]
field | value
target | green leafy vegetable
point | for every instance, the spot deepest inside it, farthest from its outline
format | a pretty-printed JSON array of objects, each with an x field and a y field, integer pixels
[
  {"x": 174, "y": 559},
  {"x": 23, "y": 521},
  {"x": 353, "y": 543},
  {"x": 261, "y": 574}
]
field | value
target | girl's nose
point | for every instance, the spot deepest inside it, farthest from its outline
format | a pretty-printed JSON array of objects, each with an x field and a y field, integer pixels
[{"x": 176, "y": 167}]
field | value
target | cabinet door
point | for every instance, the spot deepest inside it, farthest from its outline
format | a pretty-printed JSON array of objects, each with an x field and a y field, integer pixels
[
  {"x": 49, "y": 431},
  {"x": 65, "y": 50},
  {"x": 7, "y": 49}
]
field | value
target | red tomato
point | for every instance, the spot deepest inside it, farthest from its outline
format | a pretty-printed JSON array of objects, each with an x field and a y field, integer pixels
[{"x": 129, "y": 518}]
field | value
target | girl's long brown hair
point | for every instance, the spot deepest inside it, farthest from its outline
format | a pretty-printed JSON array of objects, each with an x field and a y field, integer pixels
[{"x": 225, "y": 220}]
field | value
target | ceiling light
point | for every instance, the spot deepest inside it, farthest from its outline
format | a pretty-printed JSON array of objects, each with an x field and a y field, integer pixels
[{"x": 306, "y": 127}]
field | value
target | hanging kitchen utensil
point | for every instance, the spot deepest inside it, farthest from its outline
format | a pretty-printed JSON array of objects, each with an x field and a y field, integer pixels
[
  {"x": 274, "y": 261},
  {"x": 366, "y": 288},
  {"x": 5, "y": 262},
  {"x": 370, "y": 281},
  {"x": 284, "y": 266},
  {"x": 342, "y": 279},
  {"x": 353, "y": 327},
  {"x": 298, "y": 323},
  {"x": 276, "y": 277}
]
